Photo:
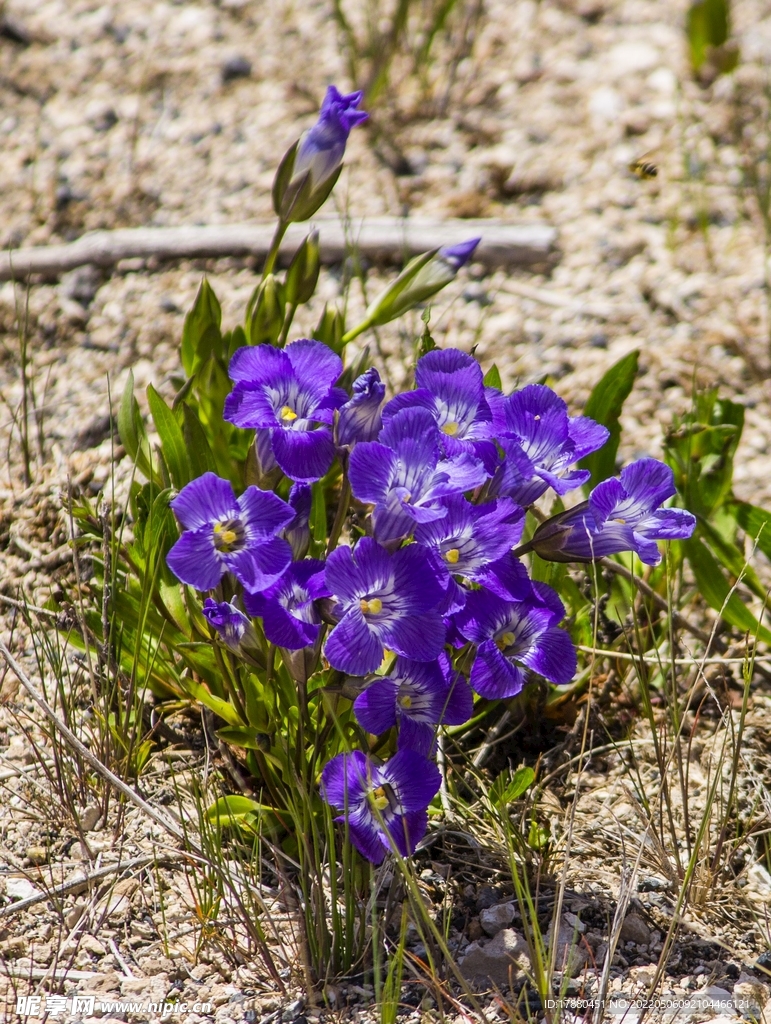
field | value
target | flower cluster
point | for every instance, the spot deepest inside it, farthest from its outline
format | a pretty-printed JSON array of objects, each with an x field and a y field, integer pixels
[{"x": 443, "y": 475}]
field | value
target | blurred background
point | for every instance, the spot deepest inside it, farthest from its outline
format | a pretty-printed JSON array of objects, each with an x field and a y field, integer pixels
[{"x": 161, "y": 113}]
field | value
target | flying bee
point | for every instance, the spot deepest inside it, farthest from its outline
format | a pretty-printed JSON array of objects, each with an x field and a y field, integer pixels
[{"x": 644, "y": 166}]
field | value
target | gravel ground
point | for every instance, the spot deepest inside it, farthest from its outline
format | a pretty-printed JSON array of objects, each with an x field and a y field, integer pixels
[{"x": 155, "y": 113}]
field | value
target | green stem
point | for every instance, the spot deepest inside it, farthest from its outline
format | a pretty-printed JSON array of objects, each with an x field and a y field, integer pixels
[
  {"x": 275, "y": 245},
  {"x": 356, "y": 331},
  {"x": 287, "y": 324},
  {"x": 342, "y": 510}
]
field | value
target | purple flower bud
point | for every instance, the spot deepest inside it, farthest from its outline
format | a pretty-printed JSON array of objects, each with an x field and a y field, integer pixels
[
  {"x": 298, "y": 532},
  {"x": 458, "y": 255},
  {"x": 320, "y": 150},
  {"x": 229, "y": 622},
  {"x": 360, "y": 418}
]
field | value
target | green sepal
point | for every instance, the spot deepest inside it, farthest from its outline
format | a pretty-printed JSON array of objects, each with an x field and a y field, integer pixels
[
  {"x": 331, "y": 328},
  {"x": 303, "y": 272},
  {"x": 265, "y": 312},
  {"x": 201, "y": 334},
  {"x": 492, "y": 379}
]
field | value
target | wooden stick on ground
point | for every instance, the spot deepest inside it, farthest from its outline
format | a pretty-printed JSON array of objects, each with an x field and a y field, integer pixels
[{"x": 381, "y": 240}]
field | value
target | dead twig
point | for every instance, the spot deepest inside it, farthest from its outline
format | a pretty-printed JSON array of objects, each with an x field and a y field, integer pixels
[{"x": 380, "y": 239}]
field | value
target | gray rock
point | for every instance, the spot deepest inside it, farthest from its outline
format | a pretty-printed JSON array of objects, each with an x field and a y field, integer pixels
[
  {"x": 82, "y": 284},
  {"x": 750, "y": 996},
  {"x": 634, "y": 929},
  {"x": 495, "y": 919},
  {"x": 498, "y": 962},
  {"x": 572, "y": 954}
]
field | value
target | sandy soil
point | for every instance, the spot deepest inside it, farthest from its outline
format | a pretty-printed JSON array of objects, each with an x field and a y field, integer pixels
[{"x": 155, "y": 113}]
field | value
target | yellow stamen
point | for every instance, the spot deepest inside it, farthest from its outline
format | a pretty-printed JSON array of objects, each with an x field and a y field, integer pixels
[
  {"x": 374, "y": 605},
  {"x": 451, "y": 429},
  {"x": 288, "y": 414},
  {"x": 504, "y": 641},
  {"x": 620, "y": 520},
  {"x": 405, "y": 701},
  {"x": 379, "y": 799},
  {"x": 452, "y": 556}
]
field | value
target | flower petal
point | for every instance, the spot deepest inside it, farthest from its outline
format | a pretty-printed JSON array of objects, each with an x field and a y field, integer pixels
[
  {"x": 370, "y": 471},
  {"x": 418, "y": 637},
  {"x": 353, "y": 647},
  {"x": 248, "y": 406},
  {"x": 207, "y": 499},
  {"x": 494, "y": 676},
  {"x": 258, "y": 364},
  {"x": 553, "y": 656},
  {"x": 668, "y": 524},
  {"x": 304, "y": 455},
  {"x": 315, "y": 365},
  {"x": 375, "y": 708},
  {"x": 344, "y": 780},
  {"x": 413, "y": 778},
  {"x": 260, "y": 565},
  {"x": 263, "y": 513},
  {"x": 194, "y": 560}
]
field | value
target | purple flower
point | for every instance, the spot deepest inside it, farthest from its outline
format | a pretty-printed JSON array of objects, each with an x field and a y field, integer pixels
[
  {"x": 298, "y": 532},
  {"x": 449, "y": 384},
  {"x": 405, "y": 477},
  {"x": 290, "y": 393},
  {"x": 229, "y": 622},
  {"x": 385, "y": 805},
  {"x": 228, "y": 534},
  {"x": 469, "y": 539},
  {"x": 360, "y": 418},
  {"x": 514, "y": 636},
  {"x": 540, "y": 442},
  {"x": 620, "y": 515},
  {"x": 289, "y": 616},
  {"x": 384, "y": 601},
  {"x": 321, "y": 149},
  {"x": 418, "y": 697},
  {"x": 458, "y": 255},
  {"x": 421, "y": 279}
]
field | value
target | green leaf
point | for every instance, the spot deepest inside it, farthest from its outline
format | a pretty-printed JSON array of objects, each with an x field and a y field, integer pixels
[
  {"x": 707, "y": 24},
  {"x": 172, "y": 441},
  {"x": 198, "y": 449},
  {"x": 731, "y": 558},
  {"x": 756, "y": 523},
  {"x": 492, "y": 378},
  {"x": 132, "y": 432},
  {"x": 220, "y": 707},
  {"x": 249, "y": 739},
  {"x": 605, "y": 404},
  {"x": 701, "y": 450},
  {"x": 508, "y": 788},
  {"x": 201, "y": 334},
  {"x": 716, "y": 590}
]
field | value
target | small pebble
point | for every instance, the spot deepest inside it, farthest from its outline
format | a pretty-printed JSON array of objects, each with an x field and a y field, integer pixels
[{"x": 236, "y": 67}]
